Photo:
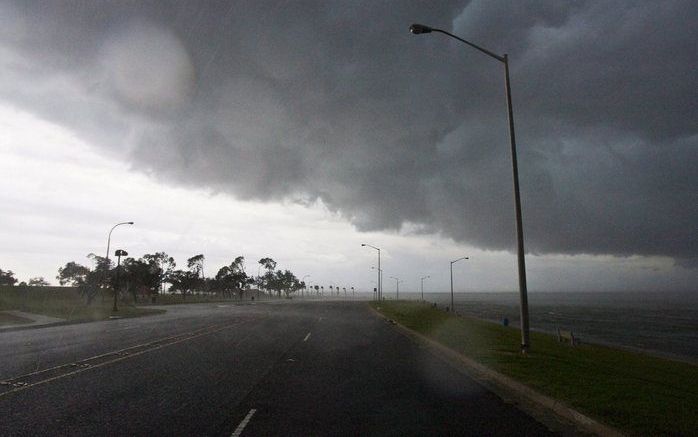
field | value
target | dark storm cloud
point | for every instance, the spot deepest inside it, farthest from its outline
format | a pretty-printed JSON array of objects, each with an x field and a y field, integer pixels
[{"x": 336, "y": 100}]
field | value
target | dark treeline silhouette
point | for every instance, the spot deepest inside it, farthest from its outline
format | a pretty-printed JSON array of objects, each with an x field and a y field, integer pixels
[
  {"x": 149, "y": 275},
  {"x": 7, "y": 277}
]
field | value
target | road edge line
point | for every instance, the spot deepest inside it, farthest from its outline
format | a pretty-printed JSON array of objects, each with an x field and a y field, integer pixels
[{"x": 506, "y": 383}]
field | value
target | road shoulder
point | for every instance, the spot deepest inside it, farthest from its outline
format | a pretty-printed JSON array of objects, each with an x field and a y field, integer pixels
[{"x": 551, "y": 412}]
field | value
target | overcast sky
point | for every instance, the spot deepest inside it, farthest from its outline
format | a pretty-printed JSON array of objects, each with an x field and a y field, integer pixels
[{"x": 299, "y": 130}]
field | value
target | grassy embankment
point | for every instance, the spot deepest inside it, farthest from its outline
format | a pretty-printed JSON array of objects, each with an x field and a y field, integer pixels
[
  {"x": 63, "y": 302},
  {"x": 636, "y": 393}
]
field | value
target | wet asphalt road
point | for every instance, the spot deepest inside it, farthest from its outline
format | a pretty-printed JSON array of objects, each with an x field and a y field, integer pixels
[{"x": 311, "y": 368}]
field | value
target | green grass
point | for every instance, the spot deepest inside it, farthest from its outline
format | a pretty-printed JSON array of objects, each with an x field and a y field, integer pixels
[
  {"x": 636, "y": 393},
  {"x": 65, "y": 303}
]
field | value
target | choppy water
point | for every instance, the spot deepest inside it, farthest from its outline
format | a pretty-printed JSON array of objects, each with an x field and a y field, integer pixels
[{"x": 666, "y": 323}]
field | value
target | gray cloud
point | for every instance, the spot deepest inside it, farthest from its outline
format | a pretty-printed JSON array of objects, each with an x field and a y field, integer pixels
[{"x": 336, "y": 100}]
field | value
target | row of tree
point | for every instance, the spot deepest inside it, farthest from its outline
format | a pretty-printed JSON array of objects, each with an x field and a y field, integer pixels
[
  {"x": 149, "y": 274},
  {"x": 7, "y": 277}
]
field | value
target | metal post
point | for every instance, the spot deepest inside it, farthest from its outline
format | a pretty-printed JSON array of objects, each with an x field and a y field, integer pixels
[
  {"x": 519, "y": 225},
  {"x": 380, "y": 282},
  {"x": 116, "y": 286},
  {"x": 523, "y": 292},
  {"x": 451, "y": 286}
]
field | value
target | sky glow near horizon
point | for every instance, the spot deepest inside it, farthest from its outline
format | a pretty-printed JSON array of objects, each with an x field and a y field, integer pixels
[
  {"x": 252, "y": 130},
  {"x": 65, "y": 197}
]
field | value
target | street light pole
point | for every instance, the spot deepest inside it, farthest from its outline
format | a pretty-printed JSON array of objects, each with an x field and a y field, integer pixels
[
  {"x": 106, "y": 267},
  {"x": 422, "y": 285},
  {"x": 453, "y": 262},
  {"x": 397, "y": 287},
  {"x": 523, "y": 293},
  {"x": 119, "y": 253},
  {"x": 379, "y": 285}
]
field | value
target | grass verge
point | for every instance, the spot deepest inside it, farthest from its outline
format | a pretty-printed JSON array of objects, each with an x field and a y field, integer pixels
[
  {"x": 636, "y": 393},
  {"x": 12, "y": 320},
  {"x": 65, "y": 303}
]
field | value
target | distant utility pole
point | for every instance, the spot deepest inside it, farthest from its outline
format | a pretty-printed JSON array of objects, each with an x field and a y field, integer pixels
[
  {"x": 397, "y": 287},
  {"x": 453, "y": 262},
  {"x": 379, "y": 288},
  {"x": 422, "y": 286}
]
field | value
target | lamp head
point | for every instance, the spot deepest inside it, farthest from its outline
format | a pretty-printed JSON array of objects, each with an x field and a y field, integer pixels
[
  {"x": 130, "y": 223},
  {"x": 363, "y": 244},
  {"x": 418, "y": 29}
]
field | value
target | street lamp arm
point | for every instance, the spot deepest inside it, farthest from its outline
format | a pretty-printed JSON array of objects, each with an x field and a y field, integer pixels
[
  {"x": 459, "y": 259},
  {"x": 112, "y": 230},
  {"x": 420, "y": 28},
  {"x": 475, "y": 46}
]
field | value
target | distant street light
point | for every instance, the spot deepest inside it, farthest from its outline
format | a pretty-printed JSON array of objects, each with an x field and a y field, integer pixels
[
  {"x": 397, "y": 287},
  {"x": 422, "y": 286},
  {"x": 453, "y": 262},
  {"x": 379, "y": 269},
  {"x": 380, "y": 282},
  {"x": 418, "y": 29},
  {"x": 119, "y": 253}
]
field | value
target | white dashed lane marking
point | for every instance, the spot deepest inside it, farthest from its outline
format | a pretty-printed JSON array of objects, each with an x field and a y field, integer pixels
[{"x": 243, "y": 424}]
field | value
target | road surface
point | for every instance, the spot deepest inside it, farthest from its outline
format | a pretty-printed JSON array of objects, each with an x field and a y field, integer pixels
[{"x": 310, "y": 368}]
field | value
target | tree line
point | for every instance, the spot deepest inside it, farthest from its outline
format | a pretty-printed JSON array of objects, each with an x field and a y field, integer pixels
[{"x": 149, "y": 275}]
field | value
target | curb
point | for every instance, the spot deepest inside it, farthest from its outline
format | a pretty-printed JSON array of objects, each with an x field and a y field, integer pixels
[{"x": 506, "y": 383}]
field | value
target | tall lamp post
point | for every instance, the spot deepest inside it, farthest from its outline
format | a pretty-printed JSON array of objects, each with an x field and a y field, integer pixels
[
  {"x": 108, "y": 244},
  {"x": 418, "y": 29},
  {"x": 379, "y": 268},
  {"x": 380, "y": 282},
  {"x": 453, "y": 262},
  {"x": 397, "y": 287},
  {"x": 422, "y": 285}
]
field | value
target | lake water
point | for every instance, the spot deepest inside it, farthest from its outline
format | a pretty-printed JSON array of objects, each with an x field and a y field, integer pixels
[{"x": 665, "y": 323}]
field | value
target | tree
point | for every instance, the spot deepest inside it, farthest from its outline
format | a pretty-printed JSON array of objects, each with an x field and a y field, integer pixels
[
  {"x": 233, "y": 277},
  {"x": 267, "y": 263},
  {"x": 7, "y": 277},
  {"x": 165, "y": 263},
  {"x": 93, "y": 282},
  {"x": 72, "y": 274},
  {"x": 196, "y": 264},
  {"x": 38, "y": 281},
  {"x": 139, "y": 277},
  {"x": 184, "y": 281},
  {"x": 101, "y": 263},
  {"x": 284, "y": 281}
]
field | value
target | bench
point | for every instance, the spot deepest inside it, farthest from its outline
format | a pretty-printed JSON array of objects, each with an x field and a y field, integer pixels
[{"x": 564, "y": 335}]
